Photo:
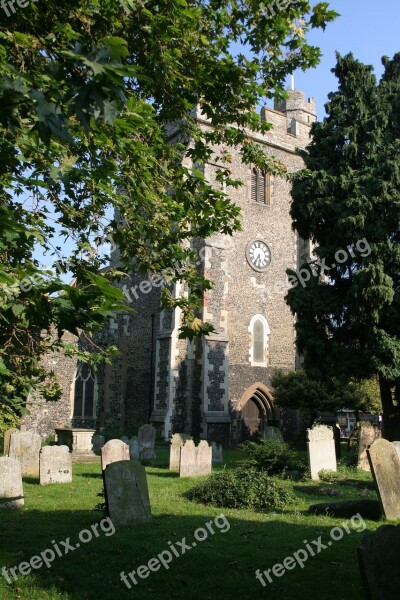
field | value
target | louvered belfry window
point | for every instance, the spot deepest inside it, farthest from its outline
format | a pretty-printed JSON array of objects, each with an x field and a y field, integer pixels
[{"x": 260, "y": 187}]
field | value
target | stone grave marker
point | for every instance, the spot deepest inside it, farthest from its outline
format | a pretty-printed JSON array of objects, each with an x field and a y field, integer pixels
[
  {"x": 114, "y": 451},
  {"x": 217, "y": 457},
  {"x": 273, "y": 433},
  {"x": 147, "y": 439},
  {"x": 177, "y": 441},
  {"x": 378, "y": 560},
  {"x": 385, "y": 466},
  {"x": 338, "y": 448},
  {"x": 195, "y": 461},
  {"x": 397, "y": 447},
  {"x": 25, "y": 447},
  {"x": 321, "y": 450},
  {"x": 127, "y": 493},
  {"x": 368, "y": 434},
  {"x": 55, "y": 465},
  {"x": 7, "y": 439},
  {"x": 10, "y": 483},
  {"x": 134, "y": 449},
  {"x": 98, "y": 442}
]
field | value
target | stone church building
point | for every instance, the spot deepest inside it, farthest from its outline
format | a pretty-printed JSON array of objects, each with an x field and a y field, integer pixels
[{"x": 216, "y": 387}]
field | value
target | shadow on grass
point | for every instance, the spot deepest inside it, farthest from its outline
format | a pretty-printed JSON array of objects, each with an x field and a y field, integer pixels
[
  {"x": 31, "y": 479},
  {"x": 90, "y": 475},
  {"x": 169, "y": 474}
]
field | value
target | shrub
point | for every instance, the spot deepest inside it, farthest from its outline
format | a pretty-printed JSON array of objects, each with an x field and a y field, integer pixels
[
  {"x": 242, "y": 488},
  {"x": 328, "y": 476},
  {"x": 273, "y": 456}
]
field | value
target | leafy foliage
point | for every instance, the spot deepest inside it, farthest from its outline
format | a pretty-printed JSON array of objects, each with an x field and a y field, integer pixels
[
  {"x": 347, "y": 317},
  {"x": 242, "y": 488},
  {"x": 88, "y": 92},
  {"x": 272, "y": 456}
]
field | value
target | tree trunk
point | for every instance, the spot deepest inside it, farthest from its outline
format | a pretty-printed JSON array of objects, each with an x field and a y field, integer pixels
[{"x": 391, "y": 413}]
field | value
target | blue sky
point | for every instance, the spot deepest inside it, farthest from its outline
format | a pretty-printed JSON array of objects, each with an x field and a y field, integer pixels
[{"x": 367, "y": 28}]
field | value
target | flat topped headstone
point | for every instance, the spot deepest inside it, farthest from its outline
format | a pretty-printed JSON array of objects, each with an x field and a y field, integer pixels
[
  {"x": 177, "y": 441},
  {"x": 217, "y": 457},
  {"x": 25, "y": 447},
  {"x": 195, "y": 461},
  {"x": 127, "y": 493},
  {"x": 7, "y": 439},
  {"x": 55, "y": 465},
  {"x": 378, "y": 559},
  {"x": 321, "y": 450},
  {"x": 98, "y": 442},
  {"x": 114, "y": 451},
  {"x": 134, "y": 449},
  {"x": 273, "y": 433},
  {"x": 11, "y": 490},
  {"x": 385, "y": 467},
  {"x": 368, "y": 434},
  {"x": 147, "y": 439}
]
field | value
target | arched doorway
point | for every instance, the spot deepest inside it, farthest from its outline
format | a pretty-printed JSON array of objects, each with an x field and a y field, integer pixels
[{"x": 256, "y": 412}]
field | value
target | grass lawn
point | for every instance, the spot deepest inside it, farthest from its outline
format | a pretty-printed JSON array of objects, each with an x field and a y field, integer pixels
[{"x": 222, "y": 566}]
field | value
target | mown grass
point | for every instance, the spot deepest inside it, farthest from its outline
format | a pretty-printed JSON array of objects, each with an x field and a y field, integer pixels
[{"x": 222, "y": 566}]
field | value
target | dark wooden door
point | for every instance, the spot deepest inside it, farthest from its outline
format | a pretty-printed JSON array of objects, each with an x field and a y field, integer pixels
[{"x": 252, "y": 420}]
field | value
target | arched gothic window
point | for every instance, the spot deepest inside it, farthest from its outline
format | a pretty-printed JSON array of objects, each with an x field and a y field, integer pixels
[
  {"x": 85, "y": 392},
  {"x": 259, "y": 330}
]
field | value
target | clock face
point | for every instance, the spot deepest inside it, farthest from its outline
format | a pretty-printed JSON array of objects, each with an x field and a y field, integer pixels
[{"x": 258, "y": 255}]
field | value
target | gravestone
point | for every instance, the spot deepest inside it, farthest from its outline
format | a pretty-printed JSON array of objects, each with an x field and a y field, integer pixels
[
  {"x": 147, "y": 438},
  {"x": 195, "y": 461},
  {"x": 378, "y": 560},
  {"x": 98, "y": 442},
  {"x": 134, "y": 449},
  {"x": 217, "y": 457},
  {"x": 177, "y": 441},
  {"x": 368, "y": 434},
  {"x": 273, "y": 433},
  {"x": 10, "y": 483},
  {"x": 321, "y": 450},
  {"x": 338, "y": 448},
  {"x": 114, "y": 451},
  {"x": 385, "y": 466},
  {"x": 7, "y": 439},
  {"x": 25, "y": 447},
  {"x": 127, "y": 493},
  {"x": 397, "y": 447},
  {"x": 55, "y": 465}
]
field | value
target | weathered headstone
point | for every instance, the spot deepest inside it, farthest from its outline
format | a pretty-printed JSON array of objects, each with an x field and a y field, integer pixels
[
  {"x": 368, "y": 434},
  {"x": 397, "y": 447},
  {"x": 147, "y": 439},
  {"x": 195, "y": 461},
  {"x": 127, "y": 493},
  {"x": 321, "y": 450},
  {"x": 98, "y": 442},
  {"x": 134, "y": 449},
  {"x": 7, "y": 439},
  {"x": 378, "y": 559},
  {"x": 177, "y": 441},
  {"x": 25, "y": 447},
  {"x": 385, "y": 466},
  {"x": 273, "y": 433},
  {"x": 217, "y": 457},
  {"x": 55, "y": 465},
  {"x": 11, "y": 491},
  {"x": 114, "y": 451},
  {"x": 338, "y": 448}
]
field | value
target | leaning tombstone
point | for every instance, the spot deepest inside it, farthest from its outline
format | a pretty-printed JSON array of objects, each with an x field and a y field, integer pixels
[
  {"x": 321, "y": 450},
  {"x": 385, "y": 466},
  {"x": 127, "y": 493},
  {"x": 98, "y": 442},
  {"x": 378, "y": 560},
  {"x": 7, "y": 439},
  {"x": 368, "y": 434},
  {"x": 11, "y": 491},
  {"x": 134, "y": 449},
  {"x": 177, "y": 441},
  {"x": 217, "y": 457},
  {"x": 195, "y": 462},
  {"x": 25, "y": 447},
  {"x": 114, "y": 451},
  {"x": 55, "y": 465},
  {"x": 147, "y": 438},
  {"x": 273, "y": 433}
]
